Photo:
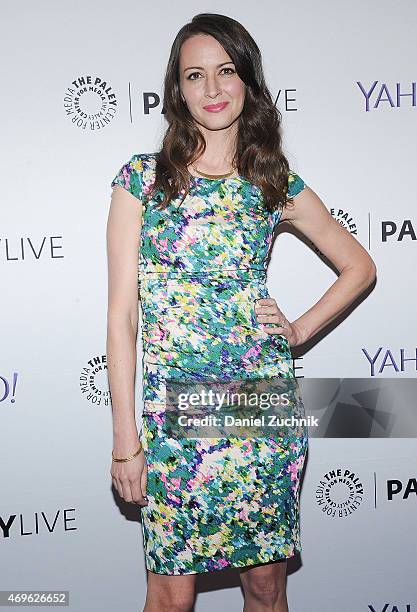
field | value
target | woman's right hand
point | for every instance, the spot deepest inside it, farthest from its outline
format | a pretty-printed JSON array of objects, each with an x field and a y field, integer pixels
[{"x": 130, "y": 479}]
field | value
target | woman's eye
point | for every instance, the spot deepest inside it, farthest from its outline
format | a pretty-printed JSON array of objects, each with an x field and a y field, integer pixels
[{"x": 192, "y": 74}]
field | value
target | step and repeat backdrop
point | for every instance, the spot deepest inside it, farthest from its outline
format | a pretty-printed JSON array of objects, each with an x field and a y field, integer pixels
[{"x": 81, "y": 92}]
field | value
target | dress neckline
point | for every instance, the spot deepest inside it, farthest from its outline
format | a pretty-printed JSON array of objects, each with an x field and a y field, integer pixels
[{"x": 217, "y": 180}]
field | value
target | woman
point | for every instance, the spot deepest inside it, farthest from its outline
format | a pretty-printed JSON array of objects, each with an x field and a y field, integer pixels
[{"x": 201, "y": 213}]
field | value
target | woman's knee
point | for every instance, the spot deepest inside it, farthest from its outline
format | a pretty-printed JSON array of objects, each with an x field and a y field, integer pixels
[
  {"x": 177, "y": 602},
  {"x": 171, "y": 593},
  {"x": 266, "y": 584}
]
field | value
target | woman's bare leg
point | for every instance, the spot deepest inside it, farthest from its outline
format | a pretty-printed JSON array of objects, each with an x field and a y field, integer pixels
[
  {"x": 265, "y": 587},
  {"x": 170, "y": 593}
]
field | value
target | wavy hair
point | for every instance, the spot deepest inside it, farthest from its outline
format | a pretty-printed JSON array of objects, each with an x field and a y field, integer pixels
[{"x": 258, "y": 154}]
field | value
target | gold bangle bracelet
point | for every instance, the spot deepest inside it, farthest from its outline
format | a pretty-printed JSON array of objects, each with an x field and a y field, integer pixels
[{"x": 127, "y": 458}]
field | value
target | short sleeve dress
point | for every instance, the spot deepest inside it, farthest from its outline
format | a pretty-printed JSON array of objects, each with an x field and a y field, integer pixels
[{"x": 214, "y": 503}]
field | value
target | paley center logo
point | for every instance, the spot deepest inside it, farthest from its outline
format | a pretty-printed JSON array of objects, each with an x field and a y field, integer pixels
[
  {"x": 93, "y": 381},
  {"x": 398, "y": 231},
  {"x": 345, "y": 219},
  {"x": 152, "y": 101},
  {"x": 401, "y": 489},
  {"x": 90, "y": 102},
  {"x": 339, "y": 492}
]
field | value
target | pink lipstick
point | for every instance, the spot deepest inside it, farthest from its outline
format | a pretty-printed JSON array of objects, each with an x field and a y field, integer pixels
[{"x": 215, "y": 108}]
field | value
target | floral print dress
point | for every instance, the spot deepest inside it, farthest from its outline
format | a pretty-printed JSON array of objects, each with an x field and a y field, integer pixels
[{"x": 214, "y": 503}]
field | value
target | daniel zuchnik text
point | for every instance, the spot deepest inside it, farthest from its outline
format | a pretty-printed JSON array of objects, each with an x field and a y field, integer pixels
[{"x": 271, "y": 420}]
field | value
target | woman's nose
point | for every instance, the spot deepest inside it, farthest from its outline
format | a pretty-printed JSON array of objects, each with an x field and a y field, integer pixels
[{"x": 212, "y": 88}]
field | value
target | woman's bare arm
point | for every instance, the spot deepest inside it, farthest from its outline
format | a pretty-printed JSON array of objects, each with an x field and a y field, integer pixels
[
  {"x": 357, "y": 269},
  {"x": 123, "y": 231}
]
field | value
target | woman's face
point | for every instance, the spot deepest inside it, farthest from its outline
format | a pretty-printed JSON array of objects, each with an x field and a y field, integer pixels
[{"x": 207, "y": 78}]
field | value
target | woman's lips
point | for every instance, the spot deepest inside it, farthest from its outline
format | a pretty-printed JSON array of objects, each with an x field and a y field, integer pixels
[{"x": 215, "y": 108}]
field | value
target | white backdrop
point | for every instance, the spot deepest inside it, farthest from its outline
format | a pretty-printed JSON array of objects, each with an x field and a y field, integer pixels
[{"x": 345, "y": 81}]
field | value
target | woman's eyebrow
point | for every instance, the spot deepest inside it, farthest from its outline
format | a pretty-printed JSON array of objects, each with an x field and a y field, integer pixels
[{"x": 201, "y": 68}]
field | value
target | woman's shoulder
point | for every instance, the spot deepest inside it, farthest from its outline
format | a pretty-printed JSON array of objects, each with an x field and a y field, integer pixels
[
  {"x": 135, "y": 173},
  {"x": 295, "y": 184},
  {"x": 141, "y": 162}
]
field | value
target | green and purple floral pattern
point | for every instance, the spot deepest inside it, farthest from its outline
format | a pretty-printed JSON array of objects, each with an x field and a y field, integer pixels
[{"x": 213, "y": 502}]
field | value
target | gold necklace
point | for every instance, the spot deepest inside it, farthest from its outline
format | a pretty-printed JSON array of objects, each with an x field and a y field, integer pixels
[{"x": 213, "y": 176}]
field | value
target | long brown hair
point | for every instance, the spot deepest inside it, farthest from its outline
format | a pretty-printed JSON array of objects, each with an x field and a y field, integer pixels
[{"x": 258, "y": 155}]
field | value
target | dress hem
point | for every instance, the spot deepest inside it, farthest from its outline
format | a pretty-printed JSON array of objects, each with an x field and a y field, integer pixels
[{"x": 219, "y": 569}]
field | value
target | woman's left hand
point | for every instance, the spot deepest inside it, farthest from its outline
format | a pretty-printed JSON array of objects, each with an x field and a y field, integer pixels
[{"x": 267, "y": 311}]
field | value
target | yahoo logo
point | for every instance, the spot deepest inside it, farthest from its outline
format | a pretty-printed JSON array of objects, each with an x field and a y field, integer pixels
[
  {"x": 381, "y": 93},
  {"x": 8, "y": 388},
  {"x": 385, "y": 359},
  {"x": 391, "y": 608}
]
